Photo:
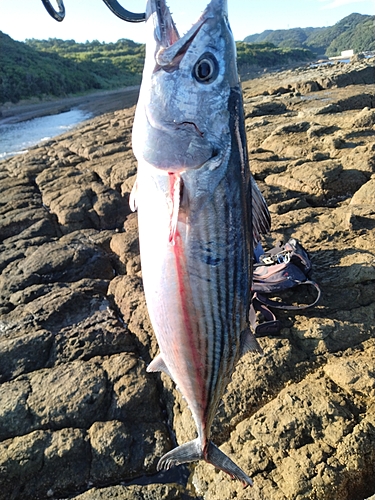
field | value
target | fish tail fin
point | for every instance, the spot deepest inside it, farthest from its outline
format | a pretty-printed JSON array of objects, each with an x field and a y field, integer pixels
[
  {"x": 221, "y": 461},
  {"x": 188, "y": 452},
  {"x": 192, "y": 451}
]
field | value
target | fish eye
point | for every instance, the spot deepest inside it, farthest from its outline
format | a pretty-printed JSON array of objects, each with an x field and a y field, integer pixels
[{"x": 206, "y": 69}]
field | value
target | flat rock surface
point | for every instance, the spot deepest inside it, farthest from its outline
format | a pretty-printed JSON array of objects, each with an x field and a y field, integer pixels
[{"x": 79, "y": 415}]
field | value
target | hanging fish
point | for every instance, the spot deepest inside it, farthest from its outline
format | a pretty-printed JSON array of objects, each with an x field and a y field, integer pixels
[{"x": 200, "y": 215}]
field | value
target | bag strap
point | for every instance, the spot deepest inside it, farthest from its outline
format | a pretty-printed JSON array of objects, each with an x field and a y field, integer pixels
[
  {"x": 271, "y": 326},
  {"x": 281, "y": 305}
]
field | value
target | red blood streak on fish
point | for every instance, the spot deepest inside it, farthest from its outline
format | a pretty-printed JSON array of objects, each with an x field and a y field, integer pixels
[
  {"x": 186, "y": 300},
  {"x": 185, "y": 293}
]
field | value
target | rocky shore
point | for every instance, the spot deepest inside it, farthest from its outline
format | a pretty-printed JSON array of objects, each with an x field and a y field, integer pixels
[{"x": 80, "y": 417}]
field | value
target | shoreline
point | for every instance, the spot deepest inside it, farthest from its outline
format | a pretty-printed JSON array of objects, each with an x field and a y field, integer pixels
[{"x": 95, "y": 103}]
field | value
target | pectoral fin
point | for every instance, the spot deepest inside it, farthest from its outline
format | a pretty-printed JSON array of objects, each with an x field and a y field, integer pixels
[{"x": 133, "y": 197}]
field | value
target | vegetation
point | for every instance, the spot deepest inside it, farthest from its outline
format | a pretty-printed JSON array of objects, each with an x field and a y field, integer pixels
[
  {"x": 266, "y": 54},
  {"x": 54, "y": 67},
  {"x": 112, "y": 61},
  {"x": 353, "y": 32}
]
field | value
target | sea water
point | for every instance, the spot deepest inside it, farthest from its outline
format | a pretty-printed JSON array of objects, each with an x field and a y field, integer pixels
[{"x": 17, "y": 138}]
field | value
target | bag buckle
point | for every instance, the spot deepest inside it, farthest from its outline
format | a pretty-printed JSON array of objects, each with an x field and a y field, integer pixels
[{"x": 278, "y": 258}]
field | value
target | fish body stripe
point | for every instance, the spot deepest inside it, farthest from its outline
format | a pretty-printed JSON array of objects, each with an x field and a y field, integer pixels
[
  {"x": 197, "y": 283},
  {"x": 220, "y": 288}
]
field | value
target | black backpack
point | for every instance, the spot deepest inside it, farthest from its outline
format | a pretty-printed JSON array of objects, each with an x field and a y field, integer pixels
[{"x": 282, "y": 267}]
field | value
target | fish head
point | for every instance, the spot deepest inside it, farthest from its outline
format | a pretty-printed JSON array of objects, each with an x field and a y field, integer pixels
[{"x": 182, "y": 117}]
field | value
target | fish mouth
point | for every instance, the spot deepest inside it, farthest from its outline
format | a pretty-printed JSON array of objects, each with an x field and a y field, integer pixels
[
  {"x": 165, "y": 30},
  {"x": 170, "y": 46},
  {"x": 176, "y": 141}
]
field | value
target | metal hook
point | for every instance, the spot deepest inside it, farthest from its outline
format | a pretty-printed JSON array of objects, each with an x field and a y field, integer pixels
[
  {"x": 124, "y": 14},
  {"x": 59, "y": 16},
  {"x": 113, "y": 5}
]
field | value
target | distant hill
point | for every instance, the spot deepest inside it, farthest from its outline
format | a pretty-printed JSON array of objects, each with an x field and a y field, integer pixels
[
  {"x": 266, "y": 55},
  {"x": 55, "y": 67},
  {"x": 42, "y": 68},
  {"x": 355, "y": 31},
  {"x": 111, "y": 63}
]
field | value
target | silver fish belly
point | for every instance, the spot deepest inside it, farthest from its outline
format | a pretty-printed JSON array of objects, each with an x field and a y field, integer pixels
[{"x": 199, "y": 212}]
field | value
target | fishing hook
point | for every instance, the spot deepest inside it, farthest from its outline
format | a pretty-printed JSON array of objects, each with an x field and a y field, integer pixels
[
  {"x": 113, "y": 5},
  {"x": 59, "y": 16},
  {"x": 124, "y": 14}
]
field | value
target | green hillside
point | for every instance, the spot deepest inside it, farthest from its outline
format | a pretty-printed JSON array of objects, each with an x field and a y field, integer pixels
[
  {"x": 57, "y": 68},
  {"x": 111, "y": 63},
  {"x": 266, "y": 54},
  {"x": 295, "y": 37},
  {"x": 40, "y": 68},
  {"x": 355, "y": 31}
]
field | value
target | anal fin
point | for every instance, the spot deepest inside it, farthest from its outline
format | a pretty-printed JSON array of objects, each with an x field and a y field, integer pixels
[{"x": 158, "y": 365}]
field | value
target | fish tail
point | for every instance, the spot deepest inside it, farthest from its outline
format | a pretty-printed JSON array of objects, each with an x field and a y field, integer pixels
[
  {"x": 192, "y": 451},
  {"x": 188, "y": 452}
]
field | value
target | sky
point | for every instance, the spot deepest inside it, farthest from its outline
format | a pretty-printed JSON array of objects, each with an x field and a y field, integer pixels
[{"x": 92, "y": 20}]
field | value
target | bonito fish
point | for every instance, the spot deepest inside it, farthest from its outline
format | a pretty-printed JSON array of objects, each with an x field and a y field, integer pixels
[{"x": 200, "y": 214}]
